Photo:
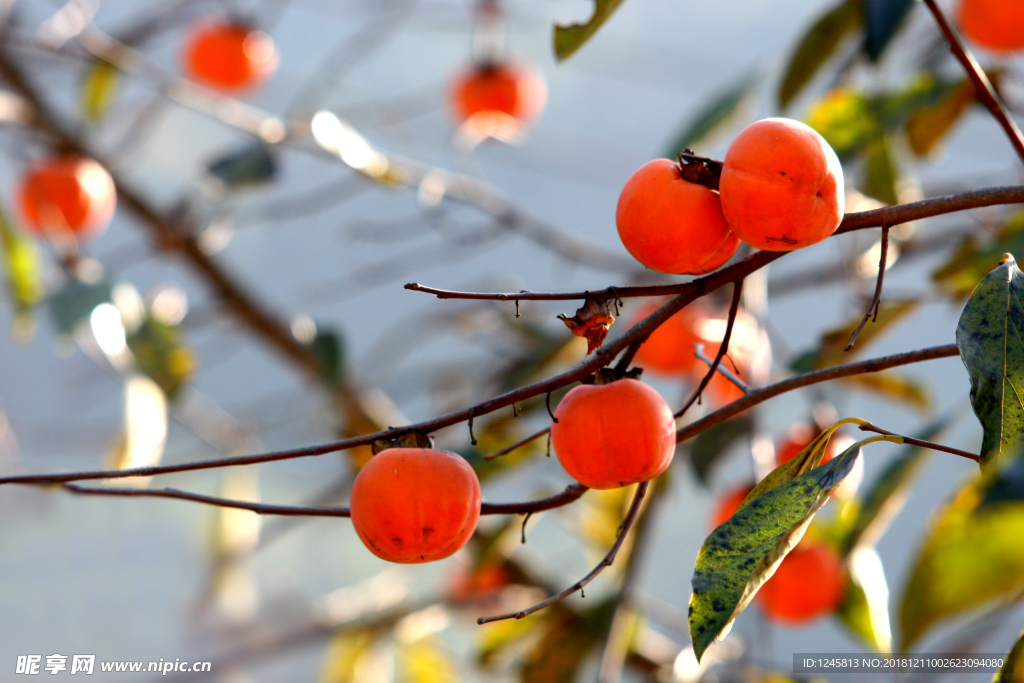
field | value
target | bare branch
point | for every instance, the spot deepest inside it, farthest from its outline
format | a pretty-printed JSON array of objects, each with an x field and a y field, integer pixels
[
  {"x": 888, "y": 216},
  {"x": 876, "y": 300},
  {"x": 909, "y": 440},
  {"x": 814, "y": 377},
  {"x": 627, "y": 523},
  {"x": 723, "y": 348},
  {"x": 982, "y": 86},
  {"x": 698, "y": 351},
  {"x": 571, "y": 494},
  {"x": 522, "y": 442}
]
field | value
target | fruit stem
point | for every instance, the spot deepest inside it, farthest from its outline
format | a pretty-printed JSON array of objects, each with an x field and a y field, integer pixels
[{"x": 699, "y": 170}]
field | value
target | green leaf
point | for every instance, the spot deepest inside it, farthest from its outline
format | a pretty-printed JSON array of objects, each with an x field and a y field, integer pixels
[
  {"x": 713, "y": 116},
  {"x": 1012, "y": 670},
  {"x": 882, "y": 18},
  {"x": 710, "y": 445},
  {"x": 865, "y": 608},
  {"x": 989, "y": 336},
  {"x": 889, "y": 491},
  {"x": 568, "y": 39},
  {"x": 894, "y": 386},
  {"x": 98, "y": 89},
  {"x": 929, "y": 124},
  {"x": 160, "y": 353},
  {"x": 971, "y": 557},
  {"x": 880, "y": 172},
  {"x": 814, "y": 49},
  {"x": 741, "y": 554}
]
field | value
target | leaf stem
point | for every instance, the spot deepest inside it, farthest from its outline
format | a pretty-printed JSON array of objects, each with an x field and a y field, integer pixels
[{"x": 909, "y": 440}]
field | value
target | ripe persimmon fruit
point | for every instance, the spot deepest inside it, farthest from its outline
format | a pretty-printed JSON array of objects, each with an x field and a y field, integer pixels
[
  {"x": 994, "y": 24},
  {"x": 228, "y": 56},
  {"x": 615, "y": 434},
  {"x": 672, "y": 225},
  {"x": 68, "y": 195},
  {"x": 781, "y": 186},
  {"x": 728, "y": 504},
  {"x": 514, "y": 90},
  {"x": 809, "y": 583},
  {"x": 415, "y": 504},
  {"x": 669, "y": 350}
]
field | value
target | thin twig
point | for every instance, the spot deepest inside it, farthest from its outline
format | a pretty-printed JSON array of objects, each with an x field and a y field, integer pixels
[
  {"x": 860, "y": 220},
  {"x": 982, "y": 86},
  {"x": 919, "y": 442},
  {"x": 522, "y": 442},
  {"x": 876, "y": 299},
  {"x": 814, "y": 377},
  {"x": 627, "y": 523},
  {"x": 698, "y": 351},
  {"x": 571, "y": 494},
  {"x": 723, "y": 348}
]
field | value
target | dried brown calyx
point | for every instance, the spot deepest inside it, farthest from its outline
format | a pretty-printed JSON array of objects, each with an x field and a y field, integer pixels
[{"x": 592, "y": 320}]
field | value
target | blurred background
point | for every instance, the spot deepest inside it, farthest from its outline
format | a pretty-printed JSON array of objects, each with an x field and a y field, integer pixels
[{"x": 324, "y": 244}]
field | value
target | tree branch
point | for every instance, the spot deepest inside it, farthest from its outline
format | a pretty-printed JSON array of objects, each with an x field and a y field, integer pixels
[
  {"x": 982, "y": 86},
  {"x": 814, "y": 377},
  {"x": 723, "y": 348},
  {"x": 627, "y": 523},
  {"x": 876, "y": 300},
  {"x": 571, "y": 494}
]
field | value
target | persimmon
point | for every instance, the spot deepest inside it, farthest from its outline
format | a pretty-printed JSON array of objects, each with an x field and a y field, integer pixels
[
  {"x": 229, "y": 56},
  {"x": 68, "y": 195},
  {"x": 781, "y": 186},
  {"x": 729, "y": 504},
  {"x": 672, "y": 225},
  {"x": 615, "y": 434},
  {"x": 415, "y": 504},
  {"x": 994, "y": 24},
  {"x": 809, "y": 582},
  {"x": 670, "y": 348},
  {"x": 478, "y": 583},
  {"x": 514, "y": 90}
]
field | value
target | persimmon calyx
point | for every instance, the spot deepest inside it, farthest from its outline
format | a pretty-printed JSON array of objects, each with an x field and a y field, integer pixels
[
  {"x": 699, "y": 170},
  {"x": 609, "y": 375},
  {"x": 592, "y": 321},
  {"x": 406, "y": 440}
]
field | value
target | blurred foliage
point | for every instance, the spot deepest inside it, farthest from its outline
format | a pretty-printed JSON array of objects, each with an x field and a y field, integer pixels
[
  {"x": 160, "y": 352},
  {"x": 75, "y": 301},
  {"x": 1012, "y": 670},
  {"x": 568, "y": 39},
  {"x": 723, "y": 108},
  {"x": 707, "y": 448},
  {"x": 865, "y": 608},
  {"x": 249, "y": 166},
  {"x": 972, "y": 260},
  {"x": 22, "y": 268},
  {"x": 99, "y": 87},
  {"x": 817, "y": 45}
]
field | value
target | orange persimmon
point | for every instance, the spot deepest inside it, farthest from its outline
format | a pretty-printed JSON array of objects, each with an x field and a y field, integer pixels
[
  {"x": 514, "y": 90},
  {"x": 809, "y": 583},
  {"x": 415, "y": 504},
  {"x": 229, "y": 57},
  {"x": 672, "y": 225},
  {"x": 616, "y": 434},
  {"x": 67, "y": 195},
  {"x": 781, "y": 186},
  {"x": 728, "y": 504},
  {"x": 997, "y": 25}
]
